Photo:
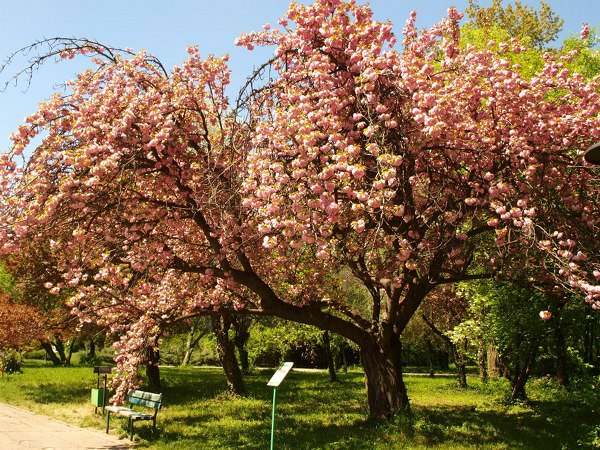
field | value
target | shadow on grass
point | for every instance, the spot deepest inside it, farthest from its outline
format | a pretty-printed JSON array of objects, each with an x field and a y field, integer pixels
[{"x": 313, "y": 413}]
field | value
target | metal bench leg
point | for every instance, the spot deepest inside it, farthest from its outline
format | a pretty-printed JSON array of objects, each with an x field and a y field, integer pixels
[
  {"x": 107, "y": 421},
  {"x": 130, "y": 429},
  {"x": 154, "y": 424}
]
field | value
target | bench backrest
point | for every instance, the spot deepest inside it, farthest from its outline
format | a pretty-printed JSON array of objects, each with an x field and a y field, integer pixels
[{"x": 148, "y": 399}]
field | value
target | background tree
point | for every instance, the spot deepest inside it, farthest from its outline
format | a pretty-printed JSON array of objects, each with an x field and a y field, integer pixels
[
  {"x": 19, "y": 325},
  {"x": 531, "y": 26}
]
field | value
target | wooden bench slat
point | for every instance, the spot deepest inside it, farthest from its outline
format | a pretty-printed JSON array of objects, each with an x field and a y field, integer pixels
[{"x": 141, "y": 398}]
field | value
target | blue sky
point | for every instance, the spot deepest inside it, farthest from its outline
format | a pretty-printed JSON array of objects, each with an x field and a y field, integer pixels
[{"x": 166, "y": 28}]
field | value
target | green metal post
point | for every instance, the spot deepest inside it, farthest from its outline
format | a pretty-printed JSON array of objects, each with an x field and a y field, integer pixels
[{"x": 273, "y": 419}]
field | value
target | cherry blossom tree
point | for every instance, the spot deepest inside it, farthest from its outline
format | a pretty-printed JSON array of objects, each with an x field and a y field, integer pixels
[
  {"x": 408, "y": 166},
  {"x": 401, "y": 165}
]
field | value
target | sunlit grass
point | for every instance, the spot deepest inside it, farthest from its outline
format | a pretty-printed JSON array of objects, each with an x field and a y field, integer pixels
[{"x": 314, "y": 413}]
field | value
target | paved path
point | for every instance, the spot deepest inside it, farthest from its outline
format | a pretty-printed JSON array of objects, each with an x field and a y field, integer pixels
[{"x": 21, "y": 429}]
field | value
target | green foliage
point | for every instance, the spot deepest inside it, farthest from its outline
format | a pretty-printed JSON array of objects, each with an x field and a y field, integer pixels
[
  {"x": 274, "y": 340},
  {"x": 7, "y": 282},
  {"x": 528, "y": 62},
  {"x": 172, "y": 350},
  {"x": 11, "y": 361},
  {"x": 533, "y": 27},
  {"x": 587, "y": 59}
]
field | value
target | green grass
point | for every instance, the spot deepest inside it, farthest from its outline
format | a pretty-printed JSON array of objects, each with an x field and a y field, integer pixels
[{"x": 316, "y": 414}]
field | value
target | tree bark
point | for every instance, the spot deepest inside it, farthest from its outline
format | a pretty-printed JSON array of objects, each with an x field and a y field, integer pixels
[
  {"x": 588, "y": 352},
  {"x": 521, "y": 375},
  {"x": 47, "y": 346},
  {"x": 60, "y": 348},
  {"x": 69, "y": 354},
  {"x": 430, "y": 357},
  {"x": 242, "y": 335},
  {"x": 493, "y": 368},
  {"x": 482, "y": 362},
  {"x": 562, "y": 374},
  {"x": 386, "y": 391},
  {"x": 461, "y": 366},
  {"x": 152, "y": 361},
  {"x": 91, "y": 349},
  {"x": 226, "y": 350},
  {"x": 328, "y": 354}
]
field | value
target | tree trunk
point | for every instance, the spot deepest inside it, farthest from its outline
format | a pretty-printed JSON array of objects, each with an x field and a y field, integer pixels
[
  {"x": 588, "y": 347},
  {"x": 461, "y": 366},
  {"x": 60, "y": 348},
  {"x": 493, "y": 367},
  {"x": 242, "y": 335},
  {"x": 152, "y": 361},
  {"x": 482, "y": 362},
  {"x": 344, "y": 358},
  {"x": 521, "y": 376},
  {"x": 189, "y": 345},
  {"x": 328, "y": 354},
  {"x": 91, "y": 349},
  {"x": 562, "y": 374},
  {"x": 430, "y": 357},
  {"x": 69, "y": 354},
  {"x": 226, "y": 351},
  {"x": 386, "y": 391},
  {"x": 47, "y": 346}
]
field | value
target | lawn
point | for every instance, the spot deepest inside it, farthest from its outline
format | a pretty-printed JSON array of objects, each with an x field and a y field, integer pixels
[{"x": 316, "y": 414}]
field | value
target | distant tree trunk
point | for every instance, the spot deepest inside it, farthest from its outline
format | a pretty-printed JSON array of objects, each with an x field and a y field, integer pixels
[
  {"x": 562, "y": 374},
  {"x": 459, "y": 357},
  {"x": 47, "y": 346},
  {"x": 430, "y": 357},
  {"x": 241, "y": 325},
  {"x": 192, "y": 341},
  {"x": 91, "y": 349},
  {"x": 521, "y": 375},
  {"x": 461, "y": 365},
  {"x": 69, "y": 354},
  {"x": 588, "y": 345},
  {"x": 344, "y": 358},
  {"x": 328, "y": 354},
  {"x": 492, "y": 361},
  {"x": 152, "y": 361},
  {"x": 60, "y": 348},
  {"x": 482, "y": 362},
  {"x": 226, "y": 350}
]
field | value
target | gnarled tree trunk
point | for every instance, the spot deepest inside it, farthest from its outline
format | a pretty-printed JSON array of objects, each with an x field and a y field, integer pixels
[
  {"x": 386, "y": 391},
  {"x": 226, "y": 350},
  {"x": 47, "y": 346}
]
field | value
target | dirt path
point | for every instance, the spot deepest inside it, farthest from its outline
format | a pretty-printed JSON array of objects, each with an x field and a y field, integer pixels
[{"x": 21, "y": 429}]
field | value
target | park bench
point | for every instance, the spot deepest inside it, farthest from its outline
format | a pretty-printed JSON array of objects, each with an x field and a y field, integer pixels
[{"x": 140, "y": 398}]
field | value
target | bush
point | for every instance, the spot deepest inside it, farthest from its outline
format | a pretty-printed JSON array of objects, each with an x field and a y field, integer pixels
[{"x": 11, "y": 361}]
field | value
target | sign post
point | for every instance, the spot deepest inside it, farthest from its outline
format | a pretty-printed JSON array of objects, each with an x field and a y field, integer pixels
[{"x": 274, "y": 382}]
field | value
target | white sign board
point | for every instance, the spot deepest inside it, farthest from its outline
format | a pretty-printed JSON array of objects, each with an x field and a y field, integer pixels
[{"x": 278, "y": 376}]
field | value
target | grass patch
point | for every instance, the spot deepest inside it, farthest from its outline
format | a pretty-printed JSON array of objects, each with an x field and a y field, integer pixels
[{"x": 316, "y": 414}]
